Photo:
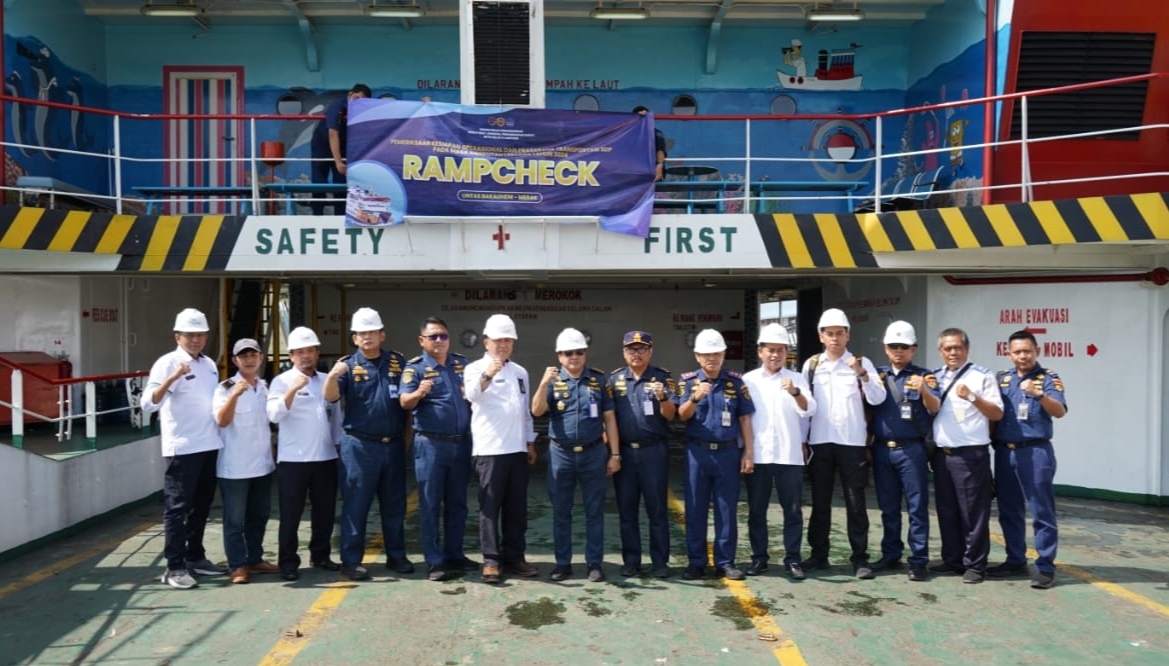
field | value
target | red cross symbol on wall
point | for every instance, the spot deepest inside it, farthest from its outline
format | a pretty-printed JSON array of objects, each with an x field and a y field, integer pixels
[{"x": 500, "y": 237}]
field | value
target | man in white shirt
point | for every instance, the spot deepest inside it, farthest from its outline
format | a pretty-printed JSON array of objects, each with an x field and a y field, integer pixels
[
  {"x": 781, "y": 399},
  {"x": 245, "y": 464},
  {"x": 970, "y": 400},
  {"x": 306, "y": 455},
  {"x": 180, "y": 388},
  {"x": 838, "y": 439},
  {"x": 503, "y": 447}
]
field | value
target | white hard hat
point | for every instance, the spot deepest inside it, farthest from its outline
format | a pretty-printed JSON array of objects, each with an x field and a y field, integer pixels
[
  {"x": 500, "y": 326},
  {"x": 366, "y": 319},
  {"x": 570, "y": 339},
  {"x": 301, "y": 337},
  {"x": 191, "y": 321},
  {"x": 832, "y": 317},
  {"x": 709, "y": 341},
  {"x": 900, "y": 332},
  {"x": 774, "y": 334}
]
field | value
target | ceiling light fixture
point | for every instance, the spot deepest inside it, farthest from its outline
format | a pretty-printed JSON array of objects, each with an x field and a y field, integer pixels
[
  {"x": 619, "y": 13},
  {"x": 833, "y": 15},
  {"x": 394, "y": 11},
  {"x": 171, "y": 9}
]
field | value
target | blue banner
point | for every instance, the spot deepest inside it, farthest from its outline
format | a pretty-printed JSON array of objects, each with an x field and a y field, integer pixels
[{"x": 448, "y": 160}]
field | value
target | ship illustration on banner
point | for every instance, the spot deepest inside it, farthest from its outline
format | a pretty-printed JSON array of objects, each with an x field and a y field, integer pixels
[{"x": 834, "y": 69}]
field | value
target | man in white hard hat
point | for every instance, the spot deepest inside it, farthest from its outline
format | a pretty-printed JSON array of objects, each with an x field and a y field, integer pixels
[
  {"x": 306, "y": 456},
  {"x": 900, "y": 426},
  {"x": 180, "y": 388},
  {"x": 373, "y": 449},
  {"x": 782, "y": 399},
  {"x": 503, "y": 447},
  {"x": 716, "y": 407},
  {"x": 245, "y": 464},
  {"x": 584, "y": 449},
  {"x": 838, "y": 439}
]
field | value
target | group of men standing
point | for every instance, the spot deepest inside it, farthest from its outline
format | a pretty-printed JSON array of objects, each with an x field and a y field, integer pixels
[{"x": 837, "y": 418}]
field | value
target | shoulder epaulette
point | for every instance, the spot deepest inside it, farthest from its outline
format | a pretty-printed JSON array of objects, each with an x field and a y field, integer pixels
[
  {"x": 415, "y": 359},
  {"x": 732, "y": 373},
  {"x": 688, "y": 375},
  {"x": 616, "y": 370},
  {"x": 665, "y": 370},
  {"x": 1002, "y": 374},
  {"x": 227, "y": 383},
  {"x": 598, "y": 371}
]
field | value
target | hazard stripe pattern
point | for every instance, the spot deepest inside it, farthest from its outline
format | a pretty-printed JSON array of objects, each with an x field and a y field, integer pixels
[
  {"x": 157, "y": 244},
  {"x": 851, "y": 241}
]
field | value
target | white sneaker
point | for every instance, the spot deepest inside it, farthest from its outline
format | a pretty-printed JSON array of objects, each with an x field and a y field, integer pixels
[
  {"x": 179, "y": 579},
  {"x": 205, "y": 567}
]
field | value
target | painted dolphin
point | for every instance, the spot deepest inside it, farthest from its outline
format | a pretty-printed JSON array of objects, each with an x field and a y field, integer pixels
[
  {"x": 42, "y": 67},
  {"x": 296, "y": 133},
  {"x": 81, "y": 138},
  {"x": 14, "y": 86}
]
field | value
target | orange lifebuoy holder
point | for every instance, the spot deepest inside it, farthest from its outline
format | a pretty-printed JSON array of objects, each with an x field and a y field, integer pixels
[{"x": 272, "y": 153}]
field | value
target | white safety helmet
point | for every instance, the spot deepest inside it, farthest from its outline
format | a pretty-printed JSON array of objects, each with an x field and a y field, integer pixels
[
  {"x": 709, "y": 341},
  {"x": 900, "y": 332},
  {"x": 191, "y": 321},
  {"x": 499, "y": 327},
  {"x": 302, "y": 337},
  {"x": 570, "y": 339},
  {"x": 774, "y": 334},
  {"x": 832, "y": 317},
  {"x": 366, "y": 319}
]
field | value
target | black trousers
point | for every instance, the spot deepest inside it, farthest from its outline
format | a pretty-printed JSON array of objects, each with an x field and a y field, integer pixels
[
  {"x": 851, "y": 464},
  {"x": 503, "y": 506},
  {"x": 318, "y": 482},
  {"x": 188, "y": 489},
  {"x": 962, "y": 497}
]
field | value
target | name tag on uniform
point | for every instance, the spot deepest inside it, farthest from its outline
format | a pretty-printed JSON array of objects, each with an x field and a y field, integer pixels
[
  {"x": 394, "y": 391},
  {"x": 1023, "y": 409},
  {"x": 906, "y": 411},
  {"x": 593, "y": 410},
  {"x": 726, "y": 419},
  {"x": 647, "y": 406}
]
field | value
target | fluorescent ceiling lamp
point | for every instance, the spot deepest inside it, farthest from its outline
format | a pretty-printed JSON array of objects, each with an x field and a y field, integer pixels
[
  {"x": 826, "y": 15},
  {"x": 619, "y": 13},
  {"x": 171, "y": 9},
  {"x": 394, "y": 11}
]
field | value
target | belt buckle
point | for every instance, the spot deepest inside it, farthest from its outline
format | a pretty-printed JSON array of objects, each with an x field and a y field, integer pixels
[
  {"x": 634, "y": 445},
  {"x": 891, "y": 444},
  {"x": 387, "y": 440},
  {"x": 948, "y": 452},
  {"x": 713, "y": 446},
  {"x": 1012, "y": 445},
  {"x": 577, "y": 449}
]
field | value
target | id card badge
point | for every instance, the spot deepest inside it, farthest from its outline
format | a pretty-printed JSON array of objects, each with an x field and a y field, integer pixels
[
  {"x": 906, "y": 411},
  {"x": 593, "y": 413},
  {"x": 1022, "y": 410},
  {"x": 393, "y": 391},
  {"x": 647, "y": 406},
  {"x": 726, "y": 419}
]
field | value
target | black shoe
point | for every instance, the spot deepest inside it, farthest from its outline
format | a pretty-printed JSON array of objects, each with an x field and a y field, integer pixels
[
  {"x": 757, "y": 567},
  {"x": 947, "y": 569},
  {"x": 437, "y": 573},
  {"x": 891, "y": 563},
  {"x": 795, "y": 571},
  {"x": 596, "y": 575},
  {"x": 918, "y": 573},
  {"x": 661, "y": 572},
  {"x": 813, "y": 563},
  {"x": 354, "y": 571},
  {"x": 630, "y": 570},
  {"x": 973, "y": 577},
  {"x": 863, "y": 570},
  {"x": 464, "y": 563},
  {"x": 1042, "y": 581},
  {"x": 730, "y": 572},
  {"x": 290, "y": 574},
  {"x": 326, "y": 565},
  {"x": 560, "y": 573},
  {"x": 694, "y": 573},
  {"x": 1007, "y": 570},
  {"x": 400, "y": 565}
]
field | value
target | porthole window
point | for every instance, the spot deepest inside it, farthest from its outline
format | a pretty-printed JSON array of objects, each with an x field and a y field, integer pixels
[
  {"x": 586, "y": 103},
  {"x": 289, "y": 105},
  {"x": 783, "y": 105},
  {"x": 684, "y": 105}
]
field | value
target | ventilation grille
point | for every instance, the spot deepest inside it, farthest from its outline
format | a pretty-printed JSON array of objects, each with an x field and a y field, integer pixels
[
  {"x": 1052, "y": 59},
  {"x": 502, "y": 53}
]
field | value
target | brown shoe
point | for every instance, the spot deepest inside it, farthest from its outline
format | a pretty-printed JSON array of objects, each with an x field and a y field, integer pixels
[
  {"x": 263, "y": 567},
  {"x": 522, "y": 568},
  {"x": 490, "y": 574},
  {"x": 240, "y": 575}
]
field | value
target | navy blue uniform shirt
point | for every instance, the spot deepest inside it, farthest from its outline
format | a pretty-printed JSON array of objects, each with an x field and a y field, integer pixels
[
  {"x": 370, "y": 389},
  {"x": 1038, "y": 424},
  {"x": 887, "y": 423},
  {"x": 629, "y": 398},
  {"x": 444, "y": 410},
  {"x": 570, "y": 407},
  {"x": 336, "y": 118},
  {"x": 727, "y": 394}
]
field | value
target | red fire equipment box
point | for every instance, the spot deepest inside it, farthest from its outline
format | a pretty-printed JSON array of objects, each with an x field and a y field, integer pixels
[{"x": 39, "y": 396}]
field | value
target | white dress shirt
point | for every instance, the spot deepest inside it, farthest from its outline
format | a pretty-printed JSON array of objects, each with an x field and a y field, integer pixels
[
  {"x": 185, "y": 410},
  {"x": 840, "y": 414},
  {"x": 306, "y": 430},
  {"x": 247, "y": 440},
  {"x": 777, "y": 421},
  {"x": 959, "y": 423},
  {"x": 501, "y": 417}
]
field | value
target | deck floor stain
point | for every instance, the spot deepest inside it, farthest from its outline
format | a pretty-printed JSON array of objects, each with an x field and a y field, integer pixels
[{"x": 535, "y": 614}]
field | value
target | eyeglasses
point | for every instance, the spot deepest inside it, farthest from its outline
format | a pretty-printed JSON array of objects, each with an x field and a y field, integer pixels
[
  {"x": 897, "y": 346},
  {"x": 637, "y": 350},
  {"x": 574, "y": 352},
  {"x": 438, "y": 337}
]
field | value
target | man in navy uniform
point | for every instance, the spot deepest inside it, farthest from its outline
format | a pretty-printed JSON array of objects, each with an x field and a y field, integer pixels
[
  {"x": 1024, "y": 460},
  {"x": 900, "y": 461},
  {"x": 373, "y": 448},
  {"x": 328, "y": 142},
  {"x": 717, "y": 410},
  {"x": 432, "y": 386},
  {"x": 642, "y": 402},
  {"x": 583, "y": 431}
]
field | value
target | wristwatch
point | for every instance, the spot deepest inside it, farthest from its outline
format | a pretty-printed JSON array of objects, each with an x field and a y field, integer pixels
[
  {"x": 797, "y": 393},
  {"x": 615, "y": 456}
]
